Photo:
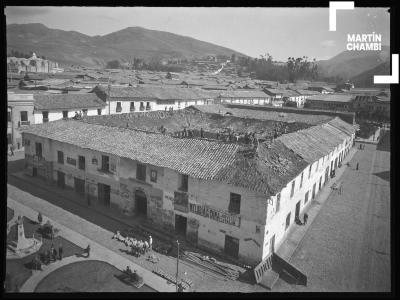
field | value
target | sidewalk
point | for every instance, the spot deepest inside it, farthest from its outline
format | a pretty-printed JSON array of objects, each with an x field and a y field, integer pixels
[
  {"x": 204, "y": 280},
  {"x": 297, "y": 232},
  {"x": 98, "y": 251}
]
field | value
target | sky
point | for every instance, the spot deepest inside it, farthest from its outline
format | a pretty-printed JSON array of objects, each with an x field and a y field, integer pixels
[{"x": 281, "y": 32}]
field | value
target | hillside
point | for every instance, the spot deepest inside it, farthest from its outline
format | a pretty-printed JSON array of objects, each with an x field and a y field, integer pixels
[
  {"x": 71, "y": 47},
  {"x": 366, "y": 79},
  {"x": 348, "y": 64}
]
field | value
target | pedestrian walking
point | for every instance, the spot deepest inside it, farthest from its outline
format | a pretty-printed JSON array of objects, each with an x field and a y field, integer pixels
[
  {"x": 12, "y": 148},
  {"x": 357, "y": 167},
  {"x": 60, "y": 252},
  {"x": 150, "y": 242},
  {"x": 305, "y": 218}
]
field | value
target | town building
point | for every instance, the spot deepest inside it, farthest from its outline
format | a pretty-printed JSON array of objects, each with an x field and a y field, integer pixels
[
  {"x": 244, "y": 97},
  {"x": 20, "y": 109},
  {"x": 32, "y": 64},
  {"x": 335, "y": 102},
  {"x": 371, "y": 105},
  {"x": 148, "y": 98},
  {"x": 239, "y": 198},
  {"x": 52, "y": 107}
]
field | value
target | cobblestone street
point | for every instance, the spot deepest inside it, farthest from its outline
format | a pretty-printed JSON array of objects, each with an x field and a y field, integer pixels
[{"x": 347, "y": 248}]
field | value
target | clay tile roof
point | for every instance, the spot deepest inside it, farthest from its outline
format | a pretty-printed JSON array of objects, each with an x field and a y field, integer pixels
[
  {"x": 266, "y": 169},
  {"x": 67, "y": 101},
  {"x": 244, "y": 94}
]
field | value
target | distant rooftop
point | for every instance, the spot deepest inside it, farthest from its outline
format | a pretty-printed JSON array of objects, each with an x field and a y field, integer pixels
[{"x": 333, "y": 97}]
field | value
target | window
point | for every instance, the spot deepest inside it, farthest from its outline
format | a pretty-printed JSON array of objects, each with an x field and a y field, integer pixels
[
  {"x": 234, "y": 204},
  {"x": 278, "y": 202},
  {"x": 45, "y": 115},
  {"x": 309, "y": 172},
  {"x": 141, "y": 172},
  {"x": 65, "y": 114},
  {"x": 84, "y": 112},
  {"x": 287, "y": 221},
  {"x": 99, "y": 111},
  {"x": 38, "y": 149},
  {"x": 292, "y": 191},
  {"x": 148, "y": 106},
  {"x": 9, "y": 116},
  {"x": 301, "y": 179},
  {"x": 306, "y": 197},
  {"x": 60, "y": 157},
  {"x": 141, "y": 106},
  {"x": 81, "y": 162},
  {"x": 132, "y": 108},
  {"x": 105, "y": 165},
  {"x": 24, "y": 116},
  {"x": 119, "y": 107},
  {"x": 184, "y": 184},
  {"x": 153, "y": 176}
]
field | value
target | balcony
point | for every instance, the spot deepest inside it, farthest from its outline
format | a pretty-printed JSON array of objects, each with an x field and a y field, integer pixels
[
  {"x": 148, "y": 108},
  {"x": 141, "y": 108},
  {"x": 118, "y": 109},
  {"x": 132, "y": 109},
  {"x": 23, "y": 123}
]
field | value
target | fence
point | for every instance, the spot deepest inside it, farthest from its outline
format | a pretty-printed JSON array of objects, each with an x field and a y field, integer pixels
[{"x": 262, "y": 267}]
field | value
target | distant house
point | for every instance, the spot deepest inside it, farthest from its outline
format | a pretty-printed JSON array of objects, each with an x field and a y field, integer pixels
[
  {"x": 150, "y": 97},
  {"x": 303, "y": 95},
  {"x": 244, "y": 97},
  {"x": 52, "y": 107},
  {"x": 322, "y": 89},
  {"x": 336, "y": 102},
  {"x": 173, "y": 76},
  {"x": 276, "y": 96},
  {"x": 19, "y": 113}
]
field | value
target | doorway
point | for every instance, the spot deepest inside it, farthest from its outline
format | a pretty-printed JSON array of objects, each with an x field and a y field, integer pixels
[
  {"x": 79, "y": 186},
  {"x": 272, "y": 244},
  {"x": 141, "y": 202},
  {"x": 326, "y": 175},
  {"x": 34, "y": 172},
  {"x": 313, "y": 191},
  {"x": 180, "y": 225},
  {"x": 231, "y": 246},
  {"x": 297, "y": 211},
  {"x": 104, "y": 194},
  {"x": 60, "y": 179}
]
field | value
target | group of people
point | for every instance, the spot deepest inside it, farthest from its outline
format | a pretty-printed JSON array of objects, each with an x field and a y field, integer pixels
[
  {"x": 51, "y": 255},
  {"x": 138, "y": 247},
  {"x": 77, "y": 115},
  {"x": 305, "y": 218}
]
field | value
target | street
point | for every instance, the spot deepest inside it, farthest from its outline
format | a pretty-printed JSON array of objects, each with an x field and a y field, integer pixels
[{"x": 347, "y": 248}]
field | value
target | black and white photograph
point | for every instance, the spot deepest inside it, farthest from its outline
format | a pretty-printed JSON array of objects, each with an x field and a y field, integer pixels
[{"x": 193, "y": 149}]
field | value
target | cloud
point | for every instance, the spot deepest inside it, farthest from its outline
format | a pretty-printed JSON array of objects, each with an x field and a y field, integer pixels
[
  {"x": 328, "y": 43},
  {"x": 18, "y": 11}
]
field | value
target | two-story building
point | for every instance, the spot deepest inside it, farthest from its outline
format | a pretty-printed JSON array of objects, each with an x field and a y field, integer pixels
[
  {"x": 149, "y": 98},
  {"x": 20, "y": 109},
  {"x": 227, "y": 197},
  {"x": 335, "y": 102},
  {"x": 244, "y": 97}
]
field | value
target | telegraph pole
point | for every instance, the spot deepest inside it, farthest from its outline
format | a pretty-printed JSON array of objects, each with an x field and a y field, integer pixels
[{"x": 177, "y": 266}]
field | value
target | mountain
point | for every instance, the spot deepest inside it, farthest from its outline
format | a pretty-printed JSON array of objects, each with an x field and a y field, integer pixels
[
  {"x": 71, "y": 47},
  {"x": 366, "y": 79},
  {"x": 348, "y": 64}
]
